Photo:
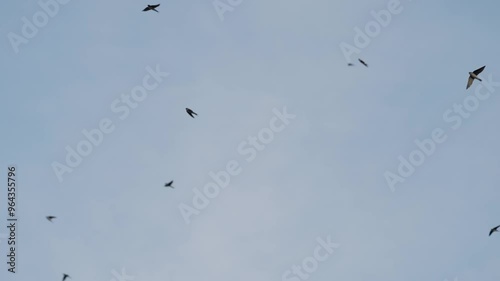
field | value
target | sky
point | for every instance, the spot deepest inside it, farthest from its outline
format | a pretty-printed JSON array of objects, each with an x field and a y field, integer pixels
[{"x": 319, "y": 174}]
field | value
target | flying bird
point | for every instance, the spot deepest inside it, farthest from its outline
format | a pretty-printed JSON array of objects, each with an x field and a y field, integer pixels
[
  {"x": 350, "y": 64},
  {"x": 364, "y": 63},
  {"x": 190, "y": 112},
  {"x": 65, "y": 276},
  {"x": 169, "y": 184},
  {"x": 494, "y": 229},
  {"x": 151, "y": 7},
  {"x": 50, "y": 218},
  {"x": 473, "y": 75}
]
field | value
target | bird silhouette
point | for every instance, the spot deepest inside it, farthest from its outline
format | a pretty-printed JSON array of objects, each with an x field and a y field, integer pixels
[
  {"x": 494, "y": 229},
  {"x": 50, "y": 218},
  {"x": 350, "y": 64},
  {"x": 191, "y": 112},
  {"x": 65, "y": 276},
  {"x": 169, "y": 184},
  {"x": 364, "y": 63},
  {"x": 473, "y": 75},
  {"x": 151, "y": 7}
]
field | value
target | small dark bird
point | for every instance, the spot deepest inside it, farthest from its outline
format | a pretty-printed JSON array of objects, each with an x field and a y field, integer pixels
[
  {"x": 350, "y": 64},
  {"x": 190, "y": 112},
  {"x": 151, "y": 7},
  {"x": 473, "y": 75},
  {"x": 494, "y": 229},
  {"x": 65, "y": 276},
  {"x": 364, "y": 63},
  {"x": 50, "y": 218},
  {"x": 169, "y": 184}
]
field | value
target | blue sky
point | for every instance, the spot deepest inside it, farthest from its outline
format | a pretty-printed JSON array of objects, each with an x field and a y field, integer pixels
[{"x": 323, "y": 175}]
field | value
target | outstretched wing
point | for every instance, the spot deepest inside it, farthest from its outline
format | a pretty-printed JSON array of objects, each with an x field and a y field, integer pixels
[
  {"x": 469, "y": 82},
  {"x": 493, "y": 230},
  {"x": 479, "y": 70},
  {"x": 154, "y": 6}
]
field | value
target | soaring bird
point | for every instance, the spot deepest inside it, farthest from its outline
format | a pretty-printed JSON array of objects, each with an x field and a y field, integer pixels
[
  {"x": 364, "y": 63},
  {"x": 50, "y": 218},
  {"x": 190, "y": 112},
  {"x": 473, "y": 75},
  {"x": 494, "y": 229},
  {"x": 65, "y": 276},
  {"x": 151, "y": 7},
  {"x": 169, "y": 184}
]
